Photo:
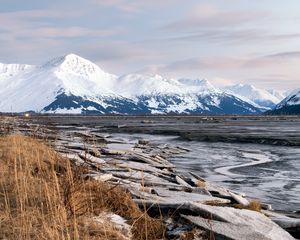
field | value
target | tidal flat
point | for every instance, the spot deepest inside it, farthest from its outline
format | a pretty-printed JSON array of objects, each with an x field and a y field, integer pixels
[
  {"x": 200, "y": 168},
  {"x": 258, "y": 155}
]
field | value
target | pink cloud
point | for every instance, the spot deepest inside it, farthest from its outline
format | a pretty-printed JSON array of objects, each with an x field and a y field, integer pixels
[{"x": 209, "y": 15}]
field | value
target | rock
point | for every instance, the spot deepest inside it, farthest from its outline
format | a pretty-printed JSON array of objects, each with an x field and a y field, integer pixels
[
  {"x": 183, "y": 149},
  {"x": 112, "y": 152},
  {"x": 95, "y": 152},
  {"x": 143, "y": 142},
  {"x": 287, "y": 222},
  {"x": 237, "y": 224},
  {"x": 147, "y": 121},
  {"x": 139, "y": 177},
  {"x": 182, "y": 182},
  {"x": 266, "y": 206},
  {"x": 90, "y": 158},
  {"x": 162, "y": 184},
  {"x": 201, "y": 190},
  {"x": 217, "y": 190},
  {"x": 148, "y": 190},
  {"x": 197, "y": 177},
  {"x": 118, "y": 222},
  {"x": 141, "y": 167},
  {"x": 152, "y": 161},
  {"x": 182, "y": 197},
  {"x": 283, "y": 221},
  {"x": 102, "y": 177},
  {"x": 239, "y": 199},
  {"x": 73, "y": 157},
  {"x": 223, "y": 230},
  {"x": 178, "y": 199}
]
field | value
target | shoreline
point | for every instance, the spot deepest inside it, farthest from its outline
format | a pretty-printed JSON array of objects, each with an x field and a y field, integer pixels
[{"x": 153, "y": 182}]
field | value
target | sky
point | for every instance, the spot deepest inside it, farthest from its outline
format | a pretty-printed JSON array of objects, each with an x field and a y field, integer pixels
[{"x": 225, "y": 41}]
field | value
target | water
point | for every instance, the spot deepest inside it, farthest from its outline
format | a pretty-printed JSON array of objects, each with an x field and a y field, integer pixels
[
  {"x": 266, "y": 172},
  {"x": 269, "y": 173}
]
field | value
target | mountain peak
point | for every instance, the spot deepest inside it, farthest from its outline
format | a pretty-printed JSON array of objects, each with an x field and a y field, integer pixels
[
  {"x": 10, "y": 70},
  {"x": 69, "y": 58},
  {"x": 259, "y": 96},
  {"x": 244, "y": 86},
  {"x": 74, "y": 64},
  {"x": 197, "y": 83}
]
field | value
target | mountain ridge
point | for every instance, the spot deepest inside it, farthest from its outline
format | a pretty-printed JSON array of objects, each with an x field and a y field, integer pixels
[
  {"x": 263, "y": 98},
  {"x": 72, "y": 84},
  {"x": 289, "y": 105}
]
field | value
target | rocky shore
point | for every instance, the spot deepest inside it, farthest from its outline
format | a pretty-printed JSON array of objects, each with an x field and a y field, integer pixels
[{"x": 143, "y": 169}]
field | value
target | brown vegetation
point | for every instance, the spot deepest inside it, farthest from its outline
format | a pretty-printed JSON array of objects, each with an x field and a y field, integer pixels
[
  {"x": 201, "y": 184},
  {"x": 42, "y": 196},
  {"x": 255, "y": 205}
]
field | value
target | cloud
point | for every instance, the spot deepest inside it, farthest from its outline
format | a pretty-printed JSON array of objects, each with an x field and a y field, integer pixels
[
  {"x": 222, "y": 82},
  {"x": 241, "y": 36},
  {"x": 210, "y": 16},
  {"x": 61, "y": 32},
  {"x": 134, "y": 6},
  {"x": 284, "y": 55},
  {"x": 218, "y": 63}
]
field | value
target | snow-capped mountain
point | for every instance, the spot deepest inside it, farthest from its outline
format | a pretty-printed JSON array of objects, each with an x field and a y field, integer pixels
[
  {"x": 263, "y": 98},
  {"x": 71, "y": 84},
  {"x": 133, "y": 85},
  {"x": 278, "y": 94},
  {"x": 289, "y": 105},
  {"x": 39, "y": 87},
  {"x": 10, "y": 70}
]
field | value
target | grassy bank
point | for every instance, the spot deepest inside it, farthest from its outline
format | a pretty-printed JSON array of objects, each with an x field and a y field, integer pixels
[{"x": 43, "y": 196}]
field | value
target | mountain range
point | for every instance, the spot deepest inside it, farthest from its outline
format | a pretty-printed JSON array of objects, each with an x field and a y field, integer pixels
[
  {"x": 289, "y": 105},
  {"x": 71, "y": 84}
]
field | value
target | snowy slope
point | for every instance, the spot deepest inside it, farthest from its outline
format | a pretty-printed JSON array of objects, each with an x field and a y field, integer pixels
[
  {"x": 289, "y": 105},
  {"x": 10, "y": 70},
  {"x": 278, "y": 94},
  {"x": 132, "y": 85},
  {"x": 71, "y": 84},
  {"x": 261, "y": 97},
  {"x": 292, "y": 99},
  {"x": 38, "y": 87}
]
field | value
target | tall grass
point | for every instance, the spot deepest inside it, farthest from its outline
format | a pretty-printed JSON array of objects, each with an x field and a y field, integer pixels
[{"x": 43, "y": 196}]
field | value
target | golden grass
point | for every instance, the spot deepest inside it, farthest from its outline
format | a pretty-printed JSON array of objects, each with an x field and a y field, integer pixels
[
  {"x": 200, "y": 184},
  {"x": 42, "y": 196},
  {"x": 255, "y": 205}
]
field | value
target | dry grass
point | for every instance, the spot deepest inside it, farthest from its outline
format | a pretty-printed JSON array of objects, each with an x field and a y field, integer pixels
[
  {"x": 255, "y": 205},
  {"x": 194, "y": 234},
  {"x": 42, "y": 196},
  {"x": 200, "y": 184}
]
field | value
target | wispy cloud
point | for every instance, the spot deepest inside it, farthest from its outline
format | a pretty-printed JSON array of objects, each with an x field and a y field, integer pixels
[
  {"x": 226, "y": 63},
  {"x": 240, "y": 36},
  {"x": 134, "y": 6},
  {"x": 210, "y": 16},
  {"x": 284, "y": 55},
  {"x": 204, "y": 38}
]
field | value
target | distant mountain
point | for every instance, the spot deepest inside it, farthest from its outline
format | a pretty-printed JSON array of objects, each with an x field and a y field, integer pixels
[
  {"x": 265, "y": 99},
  {"x": 71, "y": 84},
  {"x": 289, "y": 105},
  {"x": 10, "y": 70},
  {"x": 37, "y": 88},
  {"x": 278, "y": 94}
]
